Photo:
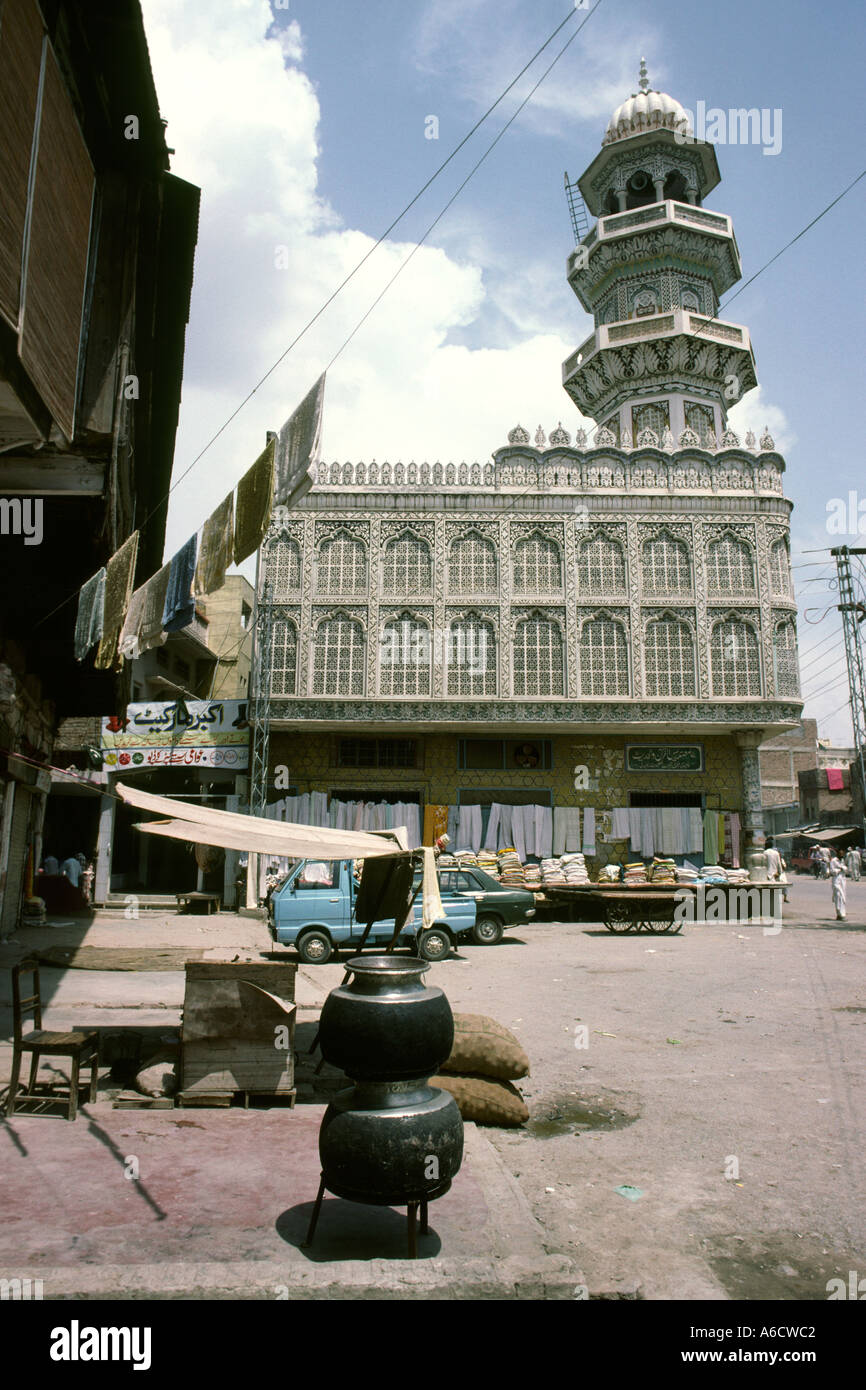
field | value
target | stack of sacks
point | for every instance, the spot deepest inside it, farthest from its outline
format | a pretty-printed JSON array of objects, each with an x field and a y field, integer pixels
[
  {"x": 485, "y": 1059},
  {"x": 687, "y": 873},
  {"x": 466, "y": 859},
  {"x": 738, "y": 875},
  {"x": 488, "y": 862},
  {"x": 663, "y": 871},
  {"x": 609, "y": 874},
  {"x": 510, "y": 869},
  {"x": 574, "y": 868},
  {"x": 446, "y": 861},
  {"x": 635, "y": 872},
  {"x": 552, "y": 874},
  {"x": 532, "y": 878}
]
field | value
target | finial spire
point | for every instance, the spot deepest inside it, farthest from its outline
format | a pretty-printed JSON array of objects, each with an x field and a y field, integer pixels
[{"x": 644, "y": 79}]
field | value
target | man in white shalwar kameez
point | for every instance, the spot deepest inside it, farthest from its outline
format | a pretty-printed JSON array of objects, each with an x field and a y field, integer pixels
[{"x": 837, "y": 879}]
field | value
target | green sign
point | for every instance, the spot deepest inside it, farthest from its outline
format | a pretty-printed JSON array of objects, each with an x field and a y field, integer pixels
[{"x": 664, "y": 757}]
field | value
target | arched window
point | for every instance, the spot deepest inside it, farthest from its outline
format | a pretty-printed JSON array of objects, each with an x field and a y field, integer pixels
[
  {"x": 342, "y": 567},
  {"x": 785, "y": 658},
  {"x": 472, "y": 565},
  {"x": 284, "y": 657},
  {"x": 670, "y": 658},
  {"x": 603, "y": 658},
  {"x": 654, "y": 417},
  {"x": 730, "y": 569},
  {"x": 471, "y": 657},
  {"x": 538, "y": 657},
  {"x": 408, "y": 566},
  {"x": 700, "y": 418},
  {"x": 285, "y": 566},
  {"x": 338, "y": 657},
  {"x": 735, "y": 660},
  {"x": 404, "y": 657},
  {"x": 600, "y": 566},
  {"x": 666, "y": 567},
  {"x": 537, "y": 566},
  {"x": 780, "y": 570},
  {"x": 689, "y": 300}
]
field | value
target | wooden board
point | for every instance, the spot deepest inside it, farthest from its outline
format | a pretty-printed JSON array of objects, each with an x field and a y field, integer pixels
[{"x": 238, "y": 1031}]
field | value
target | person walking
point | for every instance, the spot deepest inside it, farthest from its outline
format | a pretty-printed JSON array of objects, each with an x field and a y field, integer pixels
[
  {"x": 837, "y": 875},
  {"x": 826, "y": 855},
  {"x": 852, "y": 863},
  {"x": 776, "y": 867},
  {"x": 815, "y": 857}
]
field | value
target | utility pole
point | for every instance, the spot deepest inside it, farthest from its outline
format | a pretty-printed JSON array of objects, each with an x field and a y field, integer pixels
[{"x": 853, "y": 612}]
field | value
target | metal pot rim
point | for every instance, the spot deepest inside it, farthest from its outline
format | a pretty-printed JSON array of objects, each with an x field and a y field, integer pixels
[{"x": 387, "y": 965}]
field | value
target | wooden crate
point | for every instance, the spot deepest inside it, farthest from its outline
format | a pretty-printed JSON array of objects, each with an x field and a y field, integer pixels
[{"x": 238, "y": 1030}]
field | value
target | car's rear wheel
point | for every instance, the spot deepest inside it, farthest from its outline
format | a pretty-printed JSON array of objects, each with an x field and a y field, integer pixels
[
  {"x": 433, "y": 944},
  {"x": 487, "y": 931},
  {"x": 315, "y": 948}
]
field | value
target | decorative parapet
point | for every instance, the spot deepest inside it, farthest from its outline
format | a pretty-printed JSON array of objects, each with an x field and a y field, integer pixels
[{"x": 688, "y": 465}]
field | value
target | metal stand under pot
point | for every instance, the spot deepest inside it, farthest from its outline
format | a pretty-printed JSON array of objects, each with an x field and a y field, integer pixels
[{"x": 389, "y": 1139}]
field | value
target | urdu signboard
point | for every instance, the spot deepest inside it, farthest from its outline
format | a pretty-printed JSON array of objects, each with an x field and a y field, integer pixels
[{"x": 178, "y": 733}]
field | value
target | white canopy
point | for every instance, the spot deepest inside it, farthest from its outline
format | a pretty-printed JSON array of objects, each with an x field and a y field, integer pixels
[{"x": 205, "y": 825}]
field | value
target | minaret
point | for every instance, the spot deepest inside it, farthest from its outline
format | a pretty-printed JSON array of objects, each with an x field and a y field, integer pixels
[{"x": 651, "y": 272}]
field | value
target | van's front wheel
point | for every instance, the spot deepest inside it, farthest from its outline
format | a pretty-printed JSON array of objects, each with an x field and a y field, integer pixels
[
  {"x": 315, "y": 948},
  {"x": 433, "y": 944}
]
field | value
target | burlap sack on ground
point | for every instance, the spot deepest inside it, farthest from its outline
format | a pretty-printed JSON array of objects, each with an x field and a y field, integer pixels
[
  {"x": 484, "y": 1047},
  {"x": 483, "y": 1100}
]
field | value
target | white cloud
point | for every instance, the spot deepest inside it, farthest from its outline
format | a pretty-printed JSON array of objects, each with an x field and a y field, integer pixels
[{"x": 756, "y": 414}]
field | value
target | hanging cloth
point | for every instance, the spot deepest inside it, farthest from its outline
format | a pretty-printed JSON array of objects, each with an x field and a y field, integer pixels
[
  {"x": 589, "y": 830},
  {"x": 179, "y": 609},
  {"x": 88, "y": 621},
  {"x": 255, "y": 495},
  {"x": 711, "y": 837},
  {"x": 215, "y": 549},
  {"x": 297, "y": 447},
  {"x": 735, "y": 839},
  {"x": 119, "y": 576},
  {"x": 143, "y": 626}
]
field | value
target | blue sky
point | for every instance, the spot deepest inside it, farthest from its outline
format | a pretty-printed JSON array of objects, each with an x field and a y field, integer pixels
[{"x": 305, "y": 128}]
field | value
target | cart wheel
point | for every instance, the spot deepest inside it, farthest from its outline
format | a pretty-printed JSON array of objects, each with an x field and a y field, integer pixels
[
  {"x": 668, "y": 926},
  {"x": 618, "y": 921}
]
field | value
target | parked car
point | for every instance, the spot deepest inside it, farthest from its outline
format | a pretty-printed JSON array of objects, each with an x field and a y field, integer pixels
[
  {"x": 497, "y": 907},
  {"x": 313, "y": 909}
]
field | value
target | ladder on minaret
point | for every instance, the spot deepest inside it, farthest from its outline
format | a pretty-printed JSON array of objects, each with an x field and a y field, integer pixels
[
  {"x": 853, "y": 612},
  {"x": 577, "y": 209}
]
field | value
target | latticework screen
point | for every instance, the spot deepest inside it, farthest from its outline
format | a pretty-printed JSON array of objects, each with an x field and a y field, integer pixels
[
  {"x": 404, "y": 657},
  {"x": 730, "y": 569},
  {"x": 471, "y": 657},
  {"x": 785, "y": 655},
  {"x": 285, "y": 566},
  {"x": 650, "y": 417},
  {"x": 670, "y": 658},
  {"x": 603, "y": 658},
  {"x": 472, "y": 565},
  {"x": 338, "y": 657},
  {"x": 284, "y": 657},
  {"x": 735, "y": 659},
  {"x": 408, "y": 566},
  {"x": 537, "y": 566},
  {"x": 601, "y": 566},
  {"x": 538, "y": 657},
  {"x": 700, "y": 418},
  {"x": 342, "y": 567},
  {"x": 780, "y": 570},
  {"x": 666, "y": 566}
]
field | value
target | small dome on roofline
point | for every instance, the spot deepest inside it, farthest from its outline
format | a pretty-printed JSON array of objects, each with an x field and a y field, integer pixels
[{"x": 645, "y": 110}]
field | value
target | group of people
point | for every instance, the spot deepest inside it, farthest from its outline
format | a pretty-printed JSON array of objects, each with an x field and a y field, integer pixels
[{"x": 75, "y": 868}]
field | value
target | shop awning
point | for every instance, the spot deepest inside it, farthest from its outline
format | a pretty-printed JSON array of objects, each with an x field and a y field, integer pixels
[
  {"x": 205, "y": 825},
  {"x": 838, "y": 832}
]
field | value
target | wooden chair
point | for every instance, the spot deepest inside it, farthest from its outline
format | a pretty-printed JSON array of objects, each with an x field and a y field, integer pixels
[{"x": 39, "y": 1042}]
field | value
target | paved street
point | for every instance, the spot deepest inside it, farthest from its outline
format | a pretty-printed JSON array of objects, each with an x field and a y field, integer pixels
[{"x": 720, "y": 1077}]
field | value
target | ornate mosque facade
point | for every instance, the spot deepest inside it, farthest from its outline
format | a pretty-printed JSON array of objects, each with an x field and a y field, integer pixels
[{"x": 619, "y": 601}]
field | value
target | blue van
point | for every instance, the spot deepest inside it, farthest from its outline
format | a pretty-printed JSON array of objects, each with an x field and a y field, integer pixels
[{"x": 314, "y": 911}]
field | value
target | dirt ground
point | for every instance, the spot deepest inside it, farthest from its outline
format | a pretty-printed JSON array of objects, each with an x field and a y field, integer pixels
[
  {"x": 722, "y": 1077},
  {"x": 715, "y": 1075}
]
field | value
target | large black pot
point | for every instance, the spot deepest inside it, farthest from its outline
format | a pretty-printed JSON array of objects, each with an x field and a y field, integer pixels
[
  {"x": 391, "y": 1142},
  {"x": 386, "y": 1024},
  {"x": 391, "y": 1138}
]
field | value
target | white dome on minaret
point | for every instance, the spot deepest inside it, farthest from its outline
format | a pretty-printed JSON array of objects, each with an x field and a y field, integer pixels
[{"x": 645, "y": 110}]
